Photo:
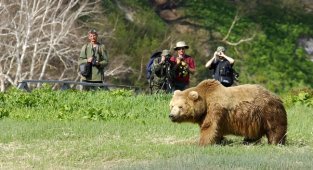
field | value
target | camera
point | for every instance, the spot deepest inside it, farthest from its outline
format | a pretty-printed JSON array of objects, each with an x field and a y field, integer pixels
[
  {"x": 219, "y": 53},
  {"x": 94, "y": 61},
  {"x": 167, "y": 57}
]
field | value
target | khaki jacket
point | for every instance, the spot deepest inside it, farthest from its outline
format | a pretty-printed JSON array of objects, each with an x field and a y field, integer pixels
[{"x": 101, "y": 56}]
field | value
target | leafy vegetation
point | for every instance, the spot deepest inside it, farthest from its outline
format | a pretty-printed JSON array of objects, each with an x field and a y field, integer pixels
[
  {"x": 75, "y": 105},
  {"x": 299, "y": 97},
  {"x": 115, "y": 104}
]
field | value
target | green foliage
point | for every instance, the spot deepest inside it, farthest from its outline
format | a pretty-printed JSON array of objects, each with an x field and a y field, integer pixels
[
  {"x": 302, "y": 97},
  {"x": 273, "y": 58},
  {"x": 72, "y": 105},
  {"x": 4, "y": 113},
  {"x": 97, "y": 114},
  {"x": 122, "y": 93},
  {"x": 136, "y": 39}
]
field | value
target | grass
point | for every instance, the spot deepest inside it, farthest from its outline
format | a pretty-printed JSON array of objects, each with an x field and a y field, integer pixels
[{"x": 146, "y": 140}]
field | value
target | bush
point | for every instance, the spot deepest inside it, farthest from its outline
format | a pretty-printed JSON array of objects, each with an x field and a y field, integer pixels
[
  {"x": 45, "y": 104},
  {"x": 302, "y": 96}
]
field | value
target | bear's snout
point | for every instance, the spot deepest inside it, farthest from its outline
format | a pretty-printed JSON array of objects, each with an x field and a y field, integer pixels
[
  {"x": 174, "y": 114},
  {"x": 172, "y": 117}
]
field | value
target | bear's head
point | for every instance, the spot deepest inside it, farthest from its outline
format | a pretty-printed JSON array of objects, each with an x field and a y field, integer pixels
[{"x": 187, "y": 106}]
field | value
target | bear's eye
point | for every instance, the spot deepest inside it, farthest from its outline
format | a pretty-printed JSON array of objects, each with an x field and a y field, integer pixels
[{"x": 180, "y": 107}]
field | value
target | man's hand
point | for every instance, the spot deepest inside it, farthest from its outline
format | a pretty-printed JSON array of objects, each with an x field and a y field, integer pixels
[
  {"x": 162, "y": 59},
  {"x": 214, "y": 58},
  {"x": 179, "y": 59},
  {"x": 89, "y": 60},
  {"x": 215, "y": 54},
  {"x": 224, "y": 56}
]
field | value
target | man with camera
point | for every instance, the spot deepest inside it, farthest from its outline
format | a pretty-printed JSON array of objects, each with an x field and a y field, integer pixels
[
  {"x": 162, "y": 69},
  {"x": 93, "y": 58},
  {"x": 184, "y": 66},
  {"x": 222, "y": 67}
]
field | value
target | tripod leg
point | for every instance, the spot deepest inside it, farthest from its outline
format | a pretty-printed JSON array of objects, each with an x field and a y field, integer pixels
[
  {"x": 151, "y": 85},
  {"x": 169, "y": 87},
  {"x": 164, "y": 85}
]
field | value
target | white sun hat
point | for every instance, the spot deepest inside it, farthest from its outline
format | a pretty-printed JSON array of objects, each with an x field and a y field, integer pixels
[{"x": 181, "y": 44}]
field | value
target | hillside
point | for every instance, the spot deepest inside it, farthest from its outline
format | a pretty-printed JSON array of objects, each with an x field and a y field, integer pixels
[{"x": 271, "y": 41}]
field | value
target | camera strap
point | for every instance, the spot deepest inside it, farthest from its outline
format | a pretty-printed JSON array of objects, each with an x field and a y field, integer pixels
[{"x": 94, "y": 50}]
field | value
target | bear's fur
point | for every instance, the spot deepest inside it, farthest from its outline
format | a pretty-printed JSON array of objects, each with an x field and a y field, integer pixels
[{"x": 246, "y": 110}]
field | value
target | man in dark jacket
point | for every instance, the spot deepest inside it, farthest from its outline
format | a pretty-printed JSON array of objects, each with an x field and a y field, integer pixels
[{"x": 222, "y": 67}]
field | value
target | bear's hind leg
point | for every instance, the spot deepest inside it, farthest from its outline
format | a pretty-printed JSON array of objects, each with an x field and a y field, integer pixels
[
  {"x": 219, "y": 139},
  {"x": 249, "y": 141}
]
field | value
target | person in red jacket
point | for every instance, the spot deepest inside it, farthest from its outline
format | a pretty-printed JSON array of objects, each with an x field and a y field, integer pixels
[{"x": 185, "y": 65}]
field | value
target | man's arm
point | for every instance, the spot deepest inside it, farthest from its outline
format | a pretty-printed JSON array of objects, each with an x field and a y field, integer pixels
[
  {"x": 192, "y": 70},
  {"x": 213, "y": 59},
  {"x": 192, "y": 66},
  {"x": 104, "y": 56},
  {"x": 157, "y": 63},
  {"x": 83, "y": 56}
]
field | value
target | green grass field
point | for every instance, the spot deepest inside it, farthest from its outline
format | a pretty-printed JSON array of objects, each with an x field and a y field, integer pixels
[{"x": 119, "y": 130}]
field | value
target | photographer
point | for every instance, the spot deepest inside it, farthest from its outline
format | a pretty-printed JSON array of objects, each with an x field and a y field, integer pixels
[
  {"x": 162, "y": 69},
  {"x": 94, "y": 57},
  {"x": 184, "y": 66},
  {"x": 222, "y": 67}
]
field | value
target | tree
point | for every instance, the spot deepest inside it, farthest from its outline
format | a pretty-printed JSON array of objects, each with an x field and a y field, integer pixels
[{"x": 39, "y": 38}]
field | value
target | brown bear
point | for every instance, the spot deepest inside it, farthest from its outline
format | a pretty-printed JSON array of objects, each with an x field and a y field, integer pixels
[{"x": 245, "y": 110}]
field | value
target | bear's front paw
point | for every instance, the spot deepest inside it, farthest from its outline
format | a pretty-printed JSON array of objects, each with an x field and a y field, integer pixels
[{"x": 205, "y": 142}]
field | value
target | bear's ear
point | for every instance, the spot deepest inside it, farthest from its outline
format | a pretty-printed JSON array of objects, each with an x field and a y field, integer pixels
[
  {"x": 193, "y": 95},
  {"x": 176, "y": 92}
]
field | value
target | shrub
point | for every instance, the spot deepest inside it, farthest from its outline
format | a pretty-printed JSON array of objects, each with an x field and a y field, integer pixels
[{"x": 302, "y": 96}]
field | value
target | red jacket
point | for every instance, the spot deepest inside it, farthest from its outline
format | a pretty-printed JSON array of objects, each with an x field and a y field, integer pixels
[{"x": 191, "y": 64}]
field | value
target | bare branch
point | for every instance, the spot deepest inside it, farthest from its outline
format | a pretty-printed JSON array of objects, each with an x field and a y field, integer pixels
[
  {"x": 117, "y": 67},
  {"x": 117, "y": 71},
  {"x": 236, "y": 18},
  {"x": 141, "y": 68},
  {"x": 224, "y": 40},
  {"x": 240, "y": 41},
  {"x": 38, "y": 39}
]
